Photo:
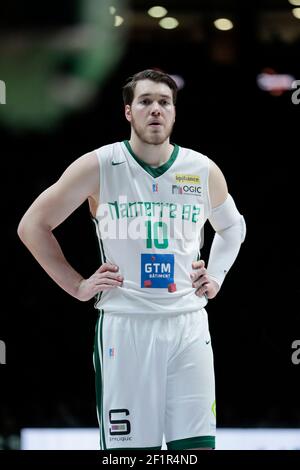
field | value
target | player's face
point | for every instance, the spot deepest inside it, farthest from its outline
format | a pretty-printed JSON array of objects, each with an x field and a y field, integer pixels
[{"x": 152, "y": 112}]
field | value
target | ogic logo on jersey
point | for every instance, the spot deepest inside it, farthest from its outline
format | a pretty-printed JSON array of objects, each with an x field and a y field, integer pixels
[
  {"x": 187, "y": 189},
  {"x": 157, "y": 270}
]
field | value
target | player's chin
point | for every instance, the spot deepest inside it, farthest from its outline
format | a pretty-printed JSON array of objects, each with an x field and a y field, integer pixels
[
  {"x": 156, "y": 139},
  {"x": 158, "y": 136}
]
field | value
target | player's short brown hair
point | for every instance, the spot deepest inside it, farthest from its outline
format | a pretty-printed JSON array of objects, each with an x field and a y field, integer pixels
[{"x": 149, "y": 74}]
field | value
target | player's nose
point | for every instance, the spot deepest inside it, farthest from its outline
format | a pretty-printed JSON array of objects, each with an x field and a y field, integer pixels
[{"x": 155, "y": 109}]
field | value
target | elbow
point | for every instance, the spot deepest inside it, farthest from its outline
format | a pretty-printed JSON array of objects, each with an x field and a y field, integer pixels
[
  {"x": 29, "y": 227},
  {"x": 22, "y": 229},
  {"x": 235, "y": 233}
]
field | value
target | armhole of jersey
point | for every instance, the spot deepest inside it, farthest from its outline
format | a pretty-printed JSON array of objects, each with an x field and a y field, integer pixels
[
  {"x": 207, "y": 186},
  {"x": 102, "y": 154},
  {"x": 98, "y": 153}
]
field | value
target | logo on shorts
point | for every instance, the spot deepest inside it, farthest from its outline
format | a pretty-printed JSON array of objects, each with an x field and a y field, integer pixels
[
  {"x": 119, "y": 427},
  {"x": 213, "y": 408}
]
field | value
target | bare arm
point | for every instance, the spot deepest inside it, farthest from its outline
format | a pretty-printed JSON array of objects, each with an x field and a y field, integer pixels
[
  {"x": 79, "y": 182},
  {"x": 229, "y": 228},
  {"x": 217, "y": 185}
]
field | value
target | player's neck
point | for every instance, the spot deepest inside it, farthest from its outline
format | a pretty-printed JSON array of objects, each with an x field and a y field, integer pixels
[{"x": 153, "y": 155}]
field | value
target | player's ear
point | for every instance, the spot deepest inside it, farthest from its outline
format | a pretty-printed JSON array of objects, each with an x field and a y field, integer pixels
[{"x": 128, "y": 112}]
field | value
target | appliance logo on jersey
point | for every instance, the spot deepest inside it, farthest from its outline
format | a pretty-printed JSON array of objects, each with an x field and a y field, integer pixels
[
  {"x": 157, "y": 271},
  {"x": 188, "y": 189},
  {"x": 155, "y": 187},
  {"x": 189, "y": 179}
]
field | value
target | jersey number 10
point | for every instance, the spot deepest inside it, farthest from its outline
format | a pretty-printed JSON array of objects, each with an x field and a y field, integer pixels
[{"x": 157, "y": 234}]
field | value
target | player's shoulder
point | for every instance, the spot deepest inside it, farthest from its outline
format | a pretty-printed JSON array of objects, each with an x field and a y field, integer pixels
[
  {"x": 97, "y": 158},
  {"x": 195, "y": 156},
  {"x": 109, "y": 151},
  {"x": 214, "y": 169},
  {"x": 217, "y": 184},
  {"x": 85, "y": 163}
]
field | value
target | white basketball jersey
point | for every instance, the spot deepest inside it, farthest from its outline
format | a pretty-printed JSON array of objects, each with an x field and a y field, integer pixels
[{"x": 149, "y": 223}]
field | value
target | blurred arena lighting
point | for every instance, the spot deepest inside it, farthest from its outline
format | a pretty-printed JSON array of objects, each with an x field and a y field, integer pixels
[
  {"x": 168, "y": 23},
  {"x": 296, "y": 13},
  {"x": 157, "y": 12},
  {"x": 118, "y": 21},
  {"x": 227, "y": 439},
  {"x": 223, "y": 24},
  {"x": 56, "y": 63},
  {"x": 295, "y": 3},
  {"x": 274, "y": 83}
]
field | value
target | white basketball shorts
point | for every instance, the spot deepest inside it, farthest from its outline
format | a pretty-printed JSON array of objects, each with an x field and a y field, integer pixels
[{"x": 154, "y": 376}]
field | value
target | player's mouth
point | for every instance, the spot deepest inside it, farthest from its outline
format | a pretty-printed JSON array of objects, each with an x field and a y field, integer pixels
[{"x": 155, "y": 124}]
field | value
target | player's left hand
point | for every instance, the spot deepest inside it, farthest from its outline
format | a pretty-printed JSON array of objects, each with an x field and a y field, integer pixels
[{"x": 202, "y": 281}]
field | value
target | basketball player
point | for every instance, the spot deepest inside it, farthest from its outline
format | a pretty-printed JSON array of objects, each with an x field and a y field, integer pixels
[{"x": 149, "y": 199}]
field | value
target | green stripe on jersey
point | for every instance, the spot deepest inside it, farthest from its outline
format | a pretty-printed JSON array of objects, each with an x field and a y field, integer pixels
[
  {"x": 98, "y": 363},
  {"x": 154, "y": 172}
]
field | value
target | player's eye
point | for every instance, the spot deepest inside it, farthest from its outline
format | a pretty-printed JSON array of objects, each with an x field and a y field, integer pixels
[{"x": 165, "y": 102}]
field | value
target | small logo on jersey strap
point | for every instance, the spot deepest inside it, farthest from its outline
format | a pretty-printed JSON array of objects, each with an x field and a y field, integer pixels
[
  {"x": 157, "y": 271},
  {"x": 190, "y": 190},
  {"x": 155, "y": 187},
  {"x": 111, "y": 352},
  {"x": 118, "y": 163},
  {"x": 190, "y": 179}
]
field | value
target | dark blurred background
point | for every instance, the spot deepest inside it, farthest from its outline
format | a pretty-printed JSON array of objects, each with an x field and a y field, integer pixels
[{"x": 63, "y": 66}]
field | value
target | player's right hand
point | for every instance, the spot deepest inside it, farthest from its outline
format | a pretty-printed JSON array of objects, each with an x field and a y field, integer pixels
[{"x": 105, "y": 278}]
